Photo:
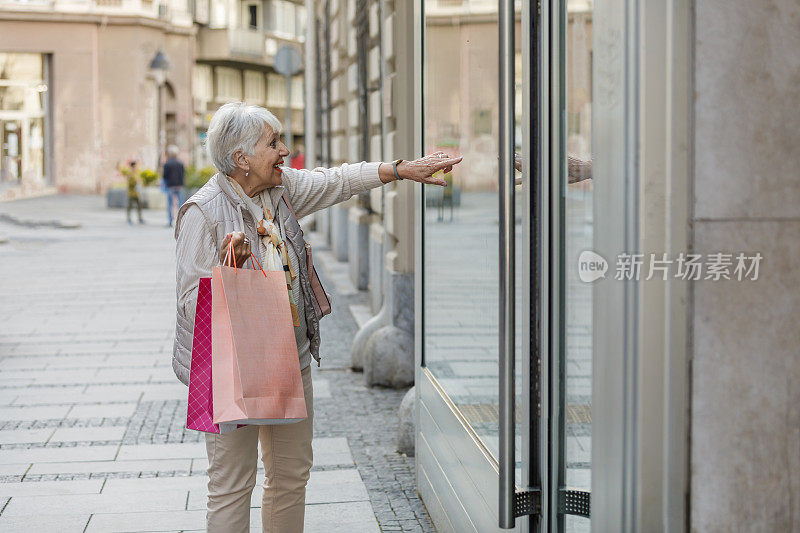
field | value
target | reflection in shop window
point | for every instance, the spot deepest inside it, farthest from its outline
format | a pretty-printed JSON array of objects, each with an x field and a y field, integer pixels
[
  {"x": 482, "y": 121},
  {"x": 461, "y": 264},
  {"x": 579, "y": 235}
]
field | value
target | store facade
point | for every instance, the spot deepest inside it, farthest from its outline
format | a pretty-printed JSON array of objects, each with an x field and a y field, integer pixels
[
  {"x": 529, "y": 354},
  {"x": 80, "y": 98},
  {"x": 568, "y": 375}
]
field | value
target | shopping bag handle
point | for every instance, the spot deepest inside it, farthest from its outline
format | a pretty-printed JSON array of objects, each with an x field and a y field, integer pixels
[{"x": 253, "y": 261}]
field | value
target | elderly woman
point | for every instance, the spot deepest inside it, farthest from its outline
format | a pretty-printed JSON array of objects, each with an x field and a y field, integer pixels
[{"x": 253, "y": 193}]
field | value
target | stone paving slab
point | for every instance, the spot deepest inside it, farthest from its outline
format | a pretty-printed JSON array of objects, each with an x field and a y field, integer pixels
[
  {"x": 108, "y": 410},
  {"x": 138, "y": 452},
  {"x": 340, "y": 517},
  {"x": 19, "y": 469},
  {"x": 93, "y": 375},
  {"x": 58, "y": 455},
  {"x": 335, "y": 486},
  {"x": 51, "y": 396},
  {"x": 129, "y": 522},
  {"x": 23, "y": 436},
  {"x": 147, "y": 392},
  {"x": 51, "y": 488},
  {"x": 44, "y": 524},
  {"x": 88, "y": 434},
  {"x": 155, "y": 484},
  {"x": 100, "y": 467},
  {"x": 34, "y": 413},
  {"x": 82, "y": 504},
  {"x": 322, "y": 388},
  {"x": 328, "y": 452}
]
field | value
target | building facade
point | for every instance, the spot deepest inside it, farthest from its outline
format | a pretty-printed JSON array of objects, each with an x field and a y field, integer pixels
[
  {"x": 79, "y": 95},
  {"x": 609, "y": 343},
  {"x": 99, "y": 102},
  {"x": 237, "y": 43},
  {"x": 358, "y": 108}
]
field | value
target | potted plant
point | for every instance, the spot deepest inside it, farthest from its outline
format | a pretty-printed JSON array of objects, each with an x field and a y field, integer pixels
[
  {"x": 196, "y": 178},
  {"x": 152, "y": 195}
]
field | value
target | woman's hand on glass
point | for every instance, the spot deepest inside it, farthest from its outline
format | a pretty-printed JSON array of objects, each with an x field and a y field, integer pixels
[{"x": 241, "y": 248}]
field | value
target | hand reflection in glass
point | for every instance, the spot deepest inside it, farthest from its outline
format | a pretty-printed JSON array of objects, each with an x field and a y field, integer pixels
[{"x": 577, "y": 169}]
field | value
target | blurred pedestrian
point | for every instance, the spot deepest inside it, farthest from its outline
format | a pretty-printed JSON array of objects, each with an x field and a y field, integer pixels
[
  {"x": 173, "y": 176},
  {"x": 252, "y": 201},
  {"x": 299, "y": 158},
  {"x": 132, "y": 176}
]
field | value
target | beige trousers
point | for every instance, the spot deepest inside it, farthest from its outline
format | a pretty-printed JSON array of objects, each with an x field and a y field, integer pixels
[{"x": 287, "y": 457}]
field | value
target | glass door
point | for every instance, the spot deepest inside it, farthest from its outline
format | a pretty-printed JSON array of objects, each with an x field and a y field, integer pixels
[
  {"x": 505, "y": 317},
  {"x": 459, "y": 445}
]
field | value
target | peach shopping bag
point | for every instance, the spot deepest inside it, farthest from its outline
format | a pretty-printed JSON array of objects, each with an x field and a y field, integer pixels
[{"x": 255, "y": 367}]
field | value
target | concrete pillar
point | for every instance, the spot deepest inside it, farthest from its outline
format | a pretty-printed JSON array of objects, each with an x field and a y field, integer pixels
[
  {"x": 358, "y": 246},
  {"x": 376, "y": 251},
  {"x": 323, "y": 221},
  {"x": 406, "y": 424},
  {"x": 338, "y": 228},
  {"x": 745, "y": 398},
  {"x": 385, "y": 346}
]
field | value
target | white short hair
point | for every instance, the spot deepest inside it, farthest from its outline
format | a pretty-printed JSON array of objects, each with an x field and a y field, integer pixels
[
  {"x": 172, "y": 150},
  {"x": 237, "y": 126}
]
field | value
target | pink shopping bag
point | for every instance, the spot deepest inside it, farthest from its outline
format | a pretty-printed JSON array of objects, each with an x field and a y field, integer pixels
[
  {"x": 200, "y": 409},
  {"x": 256, "y": 370},
  {"x": 199, "y": 412}
]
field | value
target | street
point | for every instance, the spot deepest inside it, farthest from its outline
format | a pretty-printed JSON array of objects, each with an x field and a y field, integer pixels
[{"x": 92, "y": 434}]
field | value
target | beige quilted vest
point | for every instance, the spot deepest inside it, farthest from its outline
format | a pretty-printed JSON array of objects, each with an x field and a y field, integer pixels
[{"x": 226, "y": 212}]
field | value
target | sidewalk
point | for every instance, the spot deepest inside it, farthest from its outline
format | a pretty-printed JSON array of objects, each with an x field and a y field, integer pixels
[{"x": 92, "y": 433}]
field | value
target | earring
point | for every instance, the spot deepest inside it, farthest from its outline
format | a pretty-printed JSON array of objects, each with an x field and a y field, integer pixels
[{"x": 246, "y": 174}]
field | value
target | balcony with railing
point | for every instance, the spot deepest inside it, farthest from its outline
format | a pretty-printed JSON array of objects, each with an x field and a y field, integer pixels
[
  {"x": 464, "y": 7},
  {"x": 223, "y": 45}
]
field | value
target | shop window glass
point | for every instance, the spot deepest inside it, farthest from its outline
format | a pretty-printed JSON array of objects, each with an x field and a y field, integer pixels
[{"x": 23, "y": 98}]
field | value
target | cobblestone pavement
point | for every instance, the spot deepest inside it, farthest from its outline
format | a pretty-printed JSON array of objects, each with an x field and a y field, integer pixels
[
  {"x": 367, "y": 417},
  {"x": 92, "y": 433}
]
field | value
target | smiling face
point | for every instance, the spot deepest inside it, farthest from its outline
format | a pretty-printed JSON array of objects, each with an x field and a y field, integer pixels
[{"x": 264, "y": 164}]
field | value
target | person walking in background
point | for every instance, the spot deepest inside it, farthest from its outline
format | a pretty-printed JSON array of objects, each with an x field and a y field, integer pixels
[
  {"x": 174, "y": 174},
  {"x": 299, "y": 158},
  {"x": 132, "y": 176}
]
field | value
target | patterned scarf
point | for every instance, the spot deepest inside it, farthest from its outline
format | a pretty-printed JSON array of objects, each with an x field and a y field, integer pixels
[{"x": 273, "y": 248}]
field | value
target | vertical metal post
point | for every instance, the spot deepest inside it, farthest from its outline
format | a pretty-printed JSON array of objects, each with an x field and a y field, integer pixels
[
  {"x": 507, "y": 322},
  {"x": 288, "y": 122},
  {"x": 328, "y": 136}
]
